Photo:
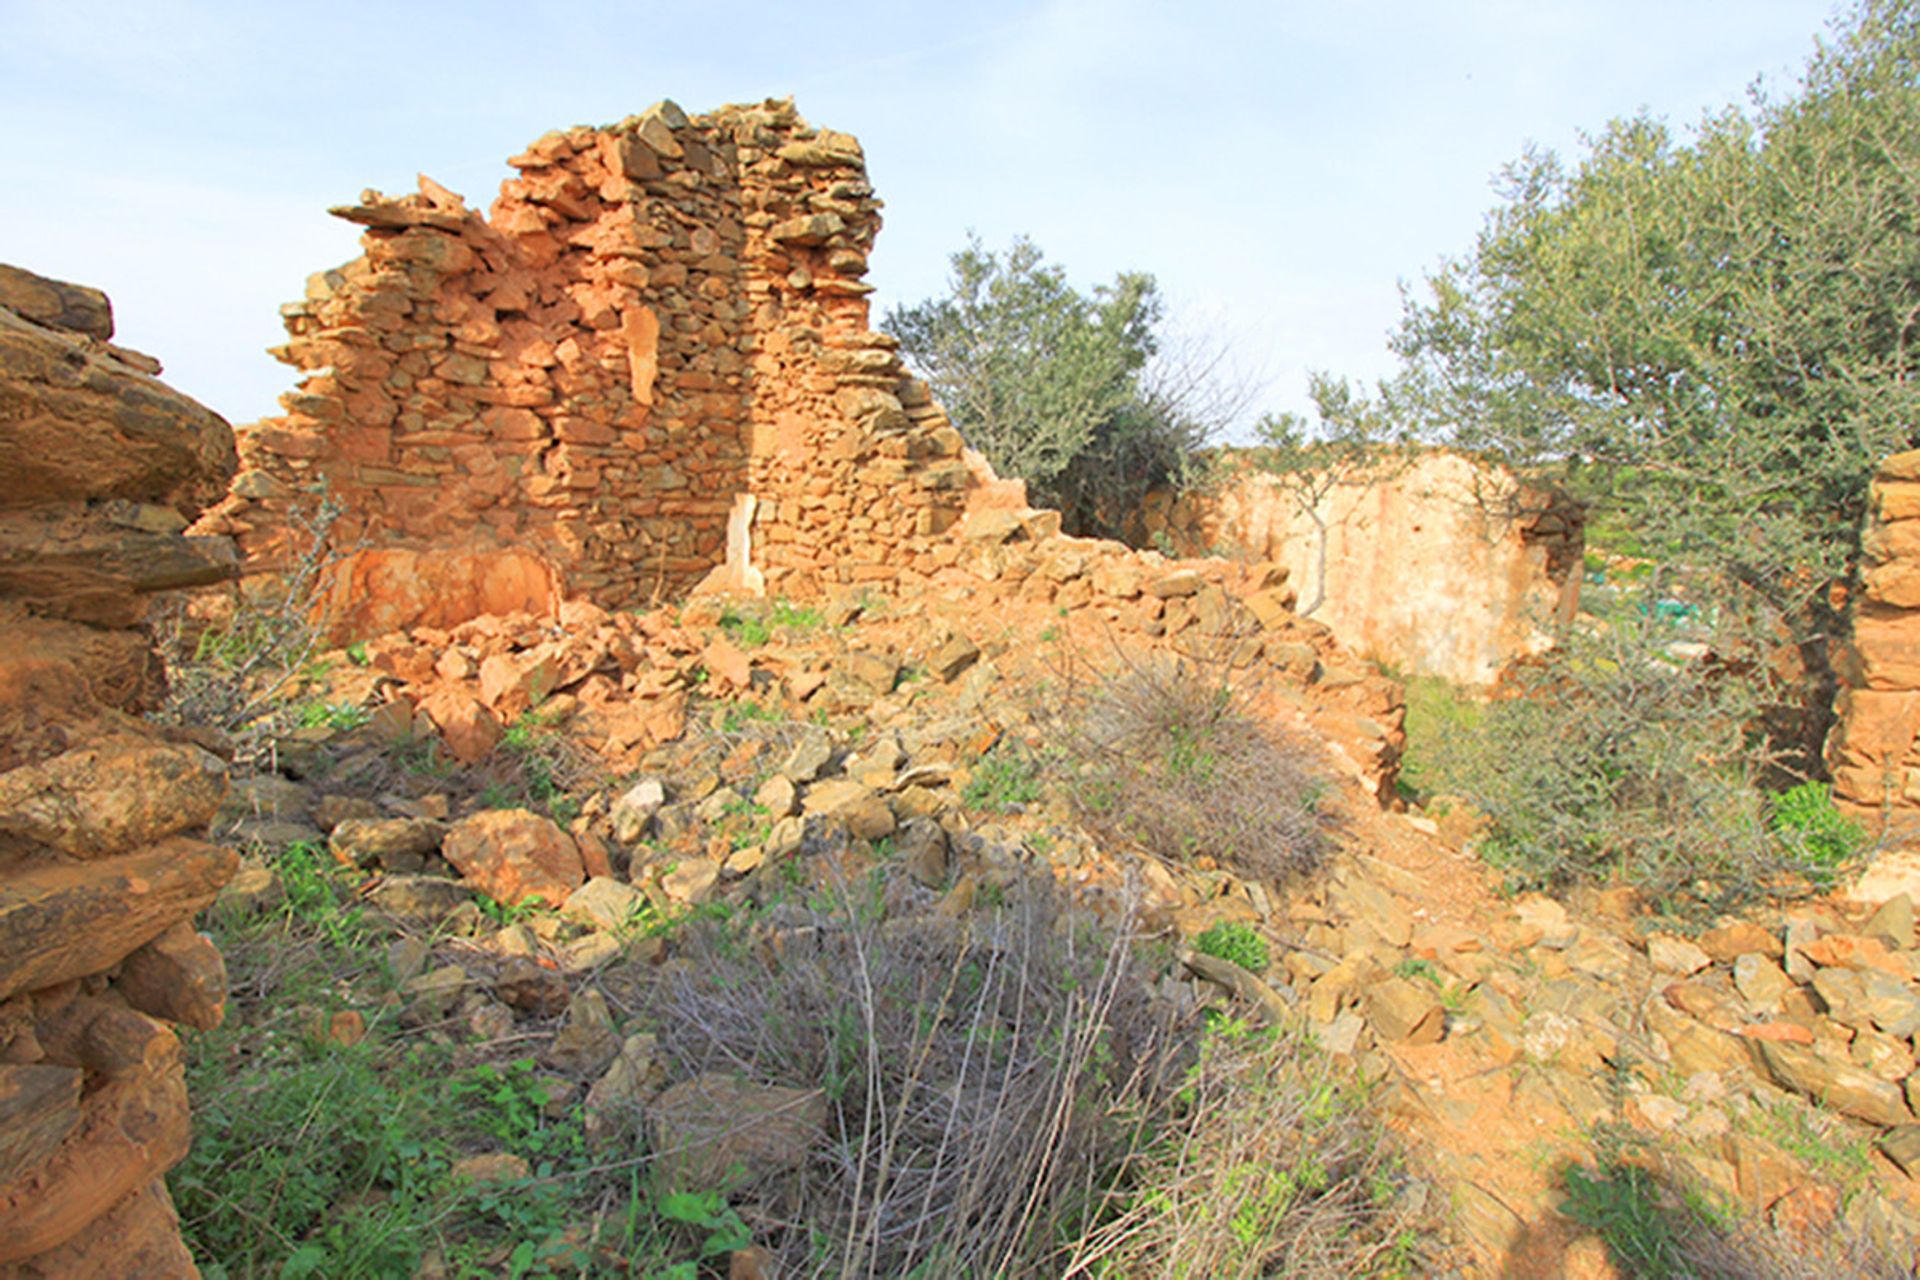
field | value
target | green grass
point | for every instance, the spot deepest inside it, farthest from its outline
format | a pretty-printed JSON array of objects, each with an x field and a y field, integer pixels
[
  {"x": 1439, "y": 713},
  {"x": 313, "y": 1158},
  {"x": 1005, "y": 780}
]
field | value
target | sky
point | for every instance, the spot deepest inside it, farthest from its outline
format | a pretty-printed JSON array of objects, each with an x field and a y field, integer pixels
[{"x": 1281, "y": 168}]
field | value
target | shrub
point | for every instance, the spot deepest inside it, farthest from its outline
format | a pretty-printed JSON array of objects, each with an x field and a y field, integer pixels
[
  {"x": 982, "y": 1077},
  {"x": 1612, "y": 761},
  {"x": 1269, "y": 1165},
  {"x": 1813, "y": 833},
  {"x": 1172, "y": 757},
  {"x": 1236, "y": 943}
]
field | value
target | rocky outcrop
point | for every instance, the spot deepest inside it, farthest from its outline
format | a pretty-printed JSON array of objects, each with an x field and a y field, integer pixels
[
  {"x": 1432, "y": 562},
  {"x": 100, "y": 868}
]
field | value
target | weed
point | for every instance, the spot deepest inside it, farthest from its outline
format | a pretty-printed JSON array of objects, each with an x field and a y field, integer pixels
[
  {"x": 789, "y": 616},
  {"x": 357, "y": 653},
  {"x": 738, "y": 715},
  {"x": 1238, "y": 943},
  {"x": 1814, "y": 834},
  {"x": 1416, "y": 967},
  {"x": 746, "y": 630},
  {"x": 317, "y": 714},
  {"x": 1005, "y": 780}
]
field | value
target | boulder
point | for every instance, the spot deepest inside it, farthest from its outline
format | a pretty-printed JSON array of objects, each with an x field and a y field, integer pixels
[{"x": 512, "y": 855}]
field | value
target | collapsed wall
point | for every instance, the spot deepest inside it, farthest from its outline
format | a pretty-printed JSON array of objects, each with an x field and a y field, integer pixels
[
  {"x": 1873, "y": 749},
  {"x": 651, "y": 361},
  {"x": 1432, "y": 563},
  {"x": 100, "y": 868}
]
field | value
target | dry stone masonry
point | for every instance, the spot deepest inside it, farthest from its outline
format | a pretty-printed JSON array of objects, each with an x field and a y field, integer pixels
[
  {"x": 1874, "y": 747},
  {"x": 651, "y": 361},
  {"x": 100, "y": 867}
]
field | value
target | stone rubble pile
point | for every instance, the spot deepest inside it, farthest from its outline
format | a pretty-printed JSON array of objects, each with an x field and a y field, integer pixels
[{"x": 101, "y": 862}]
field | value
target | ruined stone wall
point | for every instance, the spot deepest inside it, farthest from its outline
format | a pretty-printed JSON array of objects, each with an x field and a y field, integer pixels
[
  {"x": 102, "y": 466},
  {"x": 653, "y": 351},
  {"x": 1873, "y": 749},
  {"x": 1434, "y": 564}
]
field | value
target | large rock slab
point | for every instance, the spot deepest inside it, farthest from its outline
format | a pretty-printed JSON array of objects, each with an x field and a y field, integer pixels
[{"x": 63, "y": 920}]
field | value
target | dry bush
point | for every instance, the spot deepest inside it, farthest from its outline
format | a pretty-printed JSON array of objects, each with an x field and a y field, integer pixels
[
  {"x": 1170, "y": 754},
  {"x": 233, "y": 670},
  {"x": 985, "y": 1076},
  {"x": 1006, "y": 1098},
  {"x": 1271, "y": 1166}
]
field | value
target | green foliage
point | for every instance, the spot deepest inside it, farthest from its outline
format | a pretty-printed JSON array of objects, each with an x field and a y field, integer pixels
[
  {"x": 789, "y": 616},
  {"x": 1439, "y": 717},
  {"x": 1236, "y": 943},
  {"x": 744, "y": 629},
  {"x": 1616, "y": 763},
  {"x": 1005, "y": 780},
  {"x": 1708, "y": 338},
  {"x": 317, "y": 714},
  {"x": 1060, "y": 388},
  {"x": 738, "y": 715},
  {"x": 1814, "y": 833},
  {"x": 545, "y": 769},
  {"x": 357, "y": 653},
  {"x": 1624, "y": 1206}
]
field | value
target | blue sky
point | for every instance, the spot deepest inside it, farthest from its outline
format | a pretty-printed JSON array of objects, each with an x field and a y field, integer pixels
[{"x": 1280, "y": 166}]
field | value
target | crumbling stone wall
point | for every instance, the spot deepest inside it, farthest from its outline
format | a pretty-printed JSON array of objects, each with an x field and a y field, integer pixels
[
  {"x": 102, "y": 466},
  {"x": 652, "y": 354},
  {"x": 1873, "y": 749},
  {"x": 1433, "y": 563}
]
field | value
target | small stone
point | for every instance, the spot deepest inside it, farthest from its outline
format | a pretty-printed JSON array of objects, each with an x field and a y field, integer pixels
[
  {"x": 531, "y": 987},
  {"x": 587, "y": 1041},
  {"x": 512, "y": 855},
  {"x": 430, "y": 996},
  {"x": 778, "y": 796},
  {"x": 922, "y": 845},
  {"x": 400, "y": 844},
  {"x": 1658, "y": 1112},
  {"x": 1892, "y": 922},
  {"x": 419, "y": 901},
  {"x": 1901, "y": 1145},
  {"x": 1175, "y": 585},
  {"x": 1736, "y": 938},
  {"x": 952, "y": 658},
  {"x": 691, "y": 880},
  {"x": 1401, "y": 1011},
  {"x": 254, "y": 888},
  {"x": 1838, "y": 1085},
  {"x": 604, "y": 903},
  {"x": 864, "y": 812},
  {"x": 634, "y": 810},
  {"x": 1549, "y": 917},
  {"x": 1760, "y": 982},
  {"x": 714, "y": 1128},
  {"x": 809, "y": 755},
  {"x": 1676, "y": 955}
]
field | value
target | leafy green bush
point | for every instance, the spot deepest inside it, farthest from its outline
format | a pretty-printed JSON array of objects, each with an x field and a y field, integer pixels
[
  {"x": 1814, "y": 833},
  {"x": 1235, "y": 942},
  {"x": 1612, "y": 761}
]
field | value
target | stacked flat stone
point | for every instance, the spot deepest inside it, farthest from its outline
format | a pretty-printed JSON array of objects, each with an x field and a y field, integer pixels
[{"x": 102, "y": 466}]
